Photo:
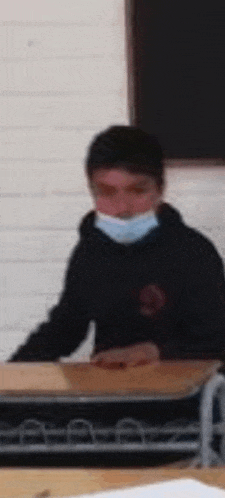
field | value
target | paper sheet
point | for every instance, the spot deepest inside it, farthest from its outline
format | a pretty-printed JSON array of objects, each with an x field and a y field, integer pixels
[{"x": 177, "y": 488}]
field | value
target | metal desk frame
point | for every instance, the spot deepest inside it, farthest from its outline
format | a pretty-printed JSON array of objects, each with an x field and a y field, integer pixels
[{"x": 129, "y": 435}]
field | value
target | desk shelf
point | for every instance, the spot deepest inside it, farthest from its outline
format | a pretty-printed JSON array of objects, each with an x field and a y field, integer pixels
[
  {"x": 82, "y": 435},
  {"x": 85, "y": 435}
]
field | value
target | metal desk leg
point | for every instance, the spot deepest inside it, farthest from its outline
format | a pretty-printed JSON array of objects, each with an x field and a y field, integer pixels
[
  {"x": 221, "y": 424},
  {"x": 209, "y": 391}
]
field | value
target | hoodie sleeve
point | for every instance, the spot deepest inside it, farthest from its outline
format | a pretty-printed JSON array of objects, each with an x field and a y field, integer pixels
[
  {"x": 202, "y": 313},
  {"x": 66, "y": 326}
]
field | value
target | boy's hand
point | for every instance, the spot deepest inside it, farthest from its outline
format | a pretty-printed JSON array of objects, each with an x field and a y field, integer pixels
[{"x": 130, "y": 356}]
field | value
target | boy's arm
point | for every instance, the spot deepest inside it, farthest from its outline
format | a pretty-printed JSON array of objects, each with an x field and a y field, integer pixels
[{"x": 65, "y": 328}]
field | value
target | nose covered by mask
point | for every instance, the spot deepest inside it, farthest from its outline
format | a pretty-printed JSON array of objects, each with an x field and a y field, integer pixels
[{"x": 126, "y": 231}]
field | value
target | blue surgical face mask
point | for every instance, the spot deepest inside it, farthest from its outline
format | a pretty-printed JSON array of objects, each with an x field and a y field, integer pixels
[{"x": 126, "y": 231}]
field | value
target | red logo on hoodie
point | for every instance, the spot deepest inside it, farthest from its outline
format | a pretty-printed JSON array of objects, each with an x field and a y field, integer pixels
[{"x": 152, "y": 298}]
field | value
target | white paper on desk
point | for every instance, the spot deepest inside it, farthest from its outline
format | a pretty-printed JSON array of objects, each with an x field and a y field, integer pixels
[{"x": 177, "y": 488}]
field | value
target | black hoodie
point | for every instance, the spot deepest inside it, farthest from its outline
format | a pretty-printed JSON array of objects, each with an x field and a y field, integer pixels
[{"x": 167, "y": 288}]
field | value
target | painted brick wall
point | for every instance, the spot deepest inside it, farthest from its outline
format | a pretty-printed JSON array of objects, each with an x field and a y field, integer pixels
[
  {"x": 197, "y": 189},
  {"x": 63, "y": 79}
]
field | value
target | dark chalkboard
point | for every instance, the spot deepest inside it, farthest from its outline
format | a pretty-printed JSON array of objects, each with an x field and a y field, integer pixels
[{"x": 178, "y": 70}]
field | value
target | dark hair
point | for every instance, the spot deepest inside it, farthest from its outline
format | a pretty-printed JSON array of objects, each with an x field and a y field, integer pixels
[{"x": 126, "y": 147}]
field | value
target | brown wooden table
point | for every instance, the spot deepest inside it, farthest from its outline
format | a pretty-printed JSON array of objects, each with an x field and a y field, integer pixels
[
  {"x": 43, "y": 483},
  {"x": 168, "y": 379}
]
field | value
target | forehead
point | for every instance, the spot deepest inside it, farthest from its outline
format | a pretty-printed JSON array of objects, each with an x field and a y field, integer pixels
[{"x": 119, "y": 177}]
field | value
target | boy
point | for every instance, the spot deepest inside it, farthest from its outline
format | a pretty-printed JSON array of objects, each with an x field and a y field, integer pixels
[{"x": 154, "y": 286}]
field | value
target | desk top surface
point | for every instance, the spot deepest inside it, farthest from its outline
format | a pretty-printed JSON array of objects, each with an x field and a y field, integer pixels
[
  {"x": 171, "y": 379},
  {"x": 32, "y": 483}
]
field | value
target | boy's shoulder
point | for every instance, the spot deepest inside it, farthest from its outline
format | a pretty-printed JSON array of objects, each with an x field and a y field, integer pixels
[{"x": 200, "y": 247}]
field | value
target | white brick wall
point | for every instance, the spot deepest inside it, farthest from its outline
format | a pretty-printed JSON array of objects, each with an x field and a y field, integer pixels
[
  {"x": 197, "y": 189},
  {"x": 63, "y": 79}
]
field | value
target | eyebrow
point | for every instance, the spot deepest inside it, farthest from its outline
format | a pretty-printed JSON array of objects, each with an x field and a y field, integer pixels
[{"x": 134, "y": 184}]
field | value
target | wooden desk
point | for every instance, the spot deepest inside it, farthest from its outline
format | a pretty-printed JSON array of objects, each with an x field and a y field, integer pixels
[
  {"x": 86, "y": 383},
  {"x": 30, "y": 483},
  {"x": 168, "y": 379}
]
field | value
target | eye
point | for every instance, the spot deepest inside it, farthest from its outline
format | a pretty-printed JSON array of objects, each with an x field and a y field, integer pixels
[
  {"x": 140, "y": 190},
  {"x": 106, "y": 191}
]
